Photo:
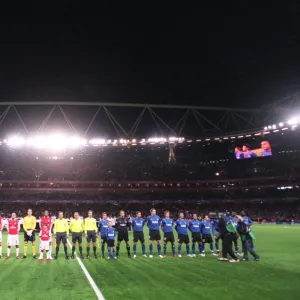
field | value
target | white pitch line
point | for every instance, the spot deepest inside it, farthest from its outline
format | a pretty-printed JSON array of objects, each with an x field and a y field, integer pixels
[{"x": 88, "y": 276}]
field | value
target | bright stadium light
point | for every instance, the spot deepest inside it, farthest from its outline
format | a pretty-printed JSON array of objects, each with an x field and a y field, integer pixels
[
  {"x": 16, "y": 141},
  {"x": 293, "y": 121},
  {"x": 280, "y": 124}
]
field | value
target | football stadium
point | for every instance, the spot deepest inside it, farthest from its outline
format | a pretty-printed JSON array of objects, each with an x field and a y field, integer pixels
[
  {"x": 109, "y": 210},
  {"x": 150, "y": 151}
]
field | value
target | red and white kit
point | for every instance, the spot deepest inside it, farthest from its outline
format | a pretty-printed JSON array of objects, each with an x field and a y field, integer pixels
[
  {"x": 45, "y": 235},
  {"x": 13, "y": 227},
  {"x": 48, "y": 222}
]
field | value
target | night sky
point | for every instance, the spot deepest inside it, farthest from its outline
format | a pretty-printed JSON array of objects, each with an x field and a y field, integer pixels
[{"x": 232, "y": 54}]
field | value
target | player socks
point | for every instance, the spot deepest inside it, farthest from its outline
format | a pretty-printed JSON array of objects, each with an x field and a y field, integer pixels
[
  {"x": 173, "y": 249},
  {"x": 88, "y": 251},
  {"x": 80, "y": 250},
  {"x": 66, "y": 250},
  {"x": 8, "y": 251},
  {"x": 165, "y": 250},
  {"x": 202, "y": 248},
  {"x": 193, "y": 248},
  {"x": 236, "y": 249},
  {"x": 50, "y": 249},
  {"x": 128, "y": 250},
  {"x": 1, "y": 250},
  {"x": 179, "y": 249},
  {"x": 33, "y": 249},
  {"x": 187, "y": 249},
  {"x": 143, "y": 249},
  {"x": 102, "y": 250},
  {"x": 17, "y": 250},
  {"x": 217, "y": 246},
  {"x": 118, "y": 249},
  {"x": 41, "y": 254},
  {"x": 134, "y": 249},
  {"x": 159, "y": 249},
  {"x": 151, "y": 249},
  {"x": 25, "y": 249},
  {"x": 109, "y": 252},
  {"x": 211, "y": 247},
  {"x": 199, "y": 248},
  {"x": 94, "y": 250},
  {"x": 73, "y": 250}
]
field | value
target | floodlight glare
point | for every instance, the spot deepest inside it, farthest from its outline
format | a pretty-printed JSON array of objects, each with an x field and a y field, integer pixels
[{"x": 16, "y": 141}]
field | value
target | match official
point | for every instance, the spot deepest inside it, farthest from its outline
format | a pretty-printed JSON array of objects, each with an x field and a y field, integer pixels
[
  {"x": 91, "y": 232},
  {"x": 77, "y": 228},
  {"x": 61, "y": 231}
]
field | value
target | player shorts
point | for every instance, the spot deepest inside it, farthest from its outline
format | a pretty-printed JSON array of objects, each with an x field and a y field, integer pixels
[
  {"x": 123, "y": 236},
  {"x": 91, "y": 236},
  {"x": 138, "y": 236},
  {"x": 196, "y": 237},
  {"x": 44, "y": 245},
  {"x": 169, "y": 237},
  {"x": 13, "y": 240},
  {"x": 77, "y": 237},
  {"x": 110, "y": 243},
  {"x": 28, "y": 238},
  {"x": 206, "y": 238},
  {"x": 183, "y": 238},
  {"x": 104, "y": 239},
  {"x": 154, "y": 235},
  {"x": 0, "y": 236},
  {"x": 61, "y": 237}
]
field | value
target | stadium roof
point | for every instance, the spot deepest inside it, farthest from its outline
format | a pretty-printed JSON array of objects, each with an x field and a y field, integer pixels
[{"x": 127, "y": 120}]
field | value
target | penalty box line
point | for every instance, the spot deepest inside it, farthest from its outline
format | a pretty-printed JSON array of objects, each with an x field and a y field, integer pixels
[{"x": 88, "y": 276}]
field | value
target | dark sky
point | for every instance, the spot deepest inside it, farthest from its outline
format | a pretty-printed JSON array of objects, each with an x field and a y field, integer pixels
[{"x": 229, "y": 53}]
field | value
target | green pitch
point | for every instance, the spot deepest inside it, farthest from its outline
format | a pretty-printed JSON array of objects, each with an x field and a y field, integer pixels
[{"x": 275, "y": 276}]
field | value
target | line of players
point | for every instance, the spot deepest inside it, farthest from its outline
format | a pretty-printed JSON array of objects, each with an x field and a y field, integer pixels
[{"x": 201, "y": 232}]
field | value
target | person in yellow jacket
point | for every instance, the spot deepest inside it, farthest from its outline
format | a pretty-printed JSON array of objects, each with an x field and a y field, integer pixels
[
  {"x": 77, "y": 228},
  {"x": 91, "y": 233},
  {"x": 29, "y": 225},
  {"x": 61, "y": 232}
]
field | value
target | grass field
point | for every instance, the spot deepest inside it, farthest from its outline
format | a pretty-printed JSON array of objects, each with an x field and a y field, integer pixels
[{"x": 275, "y": 276}]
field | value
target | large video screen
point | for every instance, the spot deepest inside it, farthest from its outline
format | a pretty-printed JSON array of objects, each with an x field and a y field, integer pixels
[{"x": 245, "y": 151}]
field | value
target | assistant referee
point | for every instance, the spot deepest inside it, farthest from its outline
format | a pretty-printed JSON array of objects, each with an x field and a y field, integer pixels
[
  {"x": 91, "y": 230},
  {"x": 61, "y": 231},
  {"x": 77, "y": 228}
]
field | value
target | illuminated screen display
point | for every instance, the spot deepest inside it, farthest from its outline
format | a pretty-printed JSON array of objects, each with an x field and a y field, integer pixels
[{"x": 245, "y": 151}]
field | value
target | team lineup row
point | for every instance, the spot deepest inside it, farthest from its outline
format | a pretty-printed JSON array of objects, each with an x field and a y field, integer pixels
[{"x": 227, "y": 228}]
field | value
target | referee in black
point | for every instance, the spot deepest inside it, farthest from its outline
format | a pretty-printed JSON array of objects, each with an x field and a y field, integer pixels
[
  {"x": 77, "y": 228},
  {"x": 61, "y": 231},
  {"x": 122, "y": 225}
]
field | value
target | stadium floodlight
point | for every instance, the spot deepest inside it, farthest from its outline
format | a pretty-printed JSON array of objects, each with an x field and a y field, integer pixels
[
  {"x": 266, "y": 128},
  {"x": 293, "y": 121},
  {"x": 75, "y": 142},
  {"x": 274, "y": 126},
  {"x": 15, "y": 141},
  {"x": 280, "y": 124},
  {"x": 98, "y": 142}
]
